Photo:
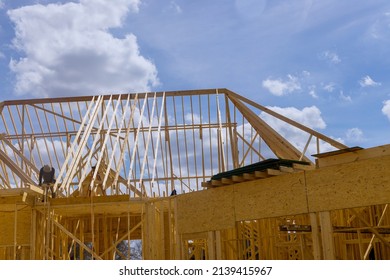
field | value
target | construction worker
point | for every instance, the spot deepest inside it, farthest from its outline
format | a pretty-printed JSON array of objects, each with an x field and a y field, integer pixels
[{"x": 46, "y": 178}]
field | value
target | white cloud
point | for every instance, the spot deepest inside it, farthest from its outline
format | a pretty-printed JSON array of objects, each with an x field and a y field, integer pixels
[
  {"x": 175, "y": 7},
  {"x": 344, "y": 97},
  {"x": 312, "y": 91},
  {"x": 367, "y": 81},
  {"x": 386, "y": 108},
  {"x": 329, "y": 87},
  {"x": 279, "y": 87},
  {"x": 331, "y": 57},
  {"x": 2, "y": 5},
  {"x": 69, "y": 50},
  {"x": 354, "y": 135},
  {"x": 379, "y": 30},
  {"x": 308, "y": 116}
]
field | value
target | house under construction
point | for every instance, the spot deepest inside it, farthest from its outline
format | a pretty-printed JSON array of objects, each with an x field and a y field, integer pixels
[{"x": 200, "y": 174}]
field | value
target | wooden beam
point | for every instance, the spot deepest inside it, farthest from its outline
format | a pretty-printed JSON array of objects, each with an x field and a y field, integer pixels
[
  {"x": 303, "y": 166},
  {"x": 261, "y": 174},
  {"x": 327, "y": 236},
  {"x": 248, "y": 176},
  {"x": 236, "y": 178},
  {"x": 285, "y": 169},
  {"x": 216, "y": 183},
  {"x": 287, "y": 120},
  {"x": 227, "y": 181},
  {"x": 349, "y": 185},
  {"x": 351, "y": 155},
  {"x": 1, "y": 107},
  {"x": 123, "y": 237},
  {"x": 19, "y": 153},
  {"x": 366, "y": 254},
  {"x": 277, "y": 143},
  {"x": 315, "y": 233},
  {"x": 273, "y": 172},
  {"x": 54, "y": 113},
  {"x": 107, "y": 96},
  {"x": 372, "y": 229},
  {"x": 15, "y": 168},
  {"x": 78, "y": 241}
]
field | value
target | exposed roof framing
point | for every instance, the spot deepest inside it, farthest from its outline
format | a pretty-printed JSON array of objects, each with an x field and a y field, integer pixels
[{"x": 142, "y": 144}]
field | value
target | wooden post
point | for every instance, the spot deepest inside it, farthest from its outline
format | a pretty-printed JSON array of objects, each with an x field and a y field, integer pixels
[
  {"x": 33, "y": 235},
  {"x": 315, "y": 236},
  {"x": 15, "y": 230},
  {"x": 178, "y": 238},
  {"x": 211, "y": 245},
  {"x": 327, "y": 236},
  {"x": 218, "y": 245}
]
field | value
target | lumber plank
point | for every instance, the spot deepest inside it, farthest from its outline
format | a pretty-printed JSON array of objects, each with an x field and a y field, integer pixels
[
  {"x": 261, "y": 174},
  {"x": 248, "y": 176},
  {"x": 236, "y": 178},
  {"x": 273, "y": 172},
  {"x": 285, "y": 169},
  {"x": 303, "y": 166},
  {"x": 227, "y": 181},
  {"x": 216, "y": 183}
]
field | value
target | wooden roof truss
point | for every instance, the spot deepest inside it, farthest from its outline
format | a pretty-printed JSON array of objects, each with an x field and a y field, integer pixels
[{"x": 142, "y": 144}]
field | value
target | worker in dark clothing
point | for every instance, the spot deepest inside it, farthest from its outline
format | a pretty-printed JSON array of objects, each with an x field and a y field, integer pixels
[{"x": 46, "y": 178}]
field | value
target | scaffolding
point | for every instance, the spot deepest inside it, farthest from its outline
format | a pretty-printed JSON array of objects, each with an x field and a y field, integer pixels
[{"x": 145, "y": 166}]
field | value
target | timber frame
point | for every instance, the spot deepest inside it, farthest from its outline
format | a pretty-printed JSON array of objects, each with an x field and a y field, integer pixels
[{"x": 119, "y": 157}]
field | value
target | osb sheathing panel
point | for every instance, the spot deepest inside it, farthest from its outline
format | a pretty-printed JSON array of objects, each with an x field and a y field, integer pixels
[
  {"x": 205, "y": 210},
  {"x": 23, "y": 227},
  {"x": 221, "y": 207},
  {"x": 273, "y": 197},
  {"x": 355, "y": 184},
  {"x": 376, "y": 152},
  {"x": 349, "y": 185}
]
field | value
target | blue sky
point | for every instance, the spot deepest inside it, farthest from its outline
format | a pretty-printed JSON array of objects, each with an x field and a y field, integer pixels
[{"x": 323, "y": 63}]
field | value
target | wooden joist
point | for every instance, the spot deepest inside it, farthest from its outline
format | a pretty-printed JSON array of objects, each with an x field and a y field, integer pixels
[
  {"x": 336, "y": 229},
  {"x": 254, "y": 174}
]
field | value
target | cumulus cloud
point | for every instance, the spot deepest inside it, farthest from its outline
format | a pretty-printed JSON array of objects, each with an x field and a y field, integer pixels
[
  {"x": 367, "y": 81},
  {"x": 68, "y": 50},
  {"x": 354, "y": 135},
  {"x": 308, "y": 116},
  {"x": 386, "y": 109},
  {"x": 279, "y": 87},
  {"x": 331, "y": 57}
]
